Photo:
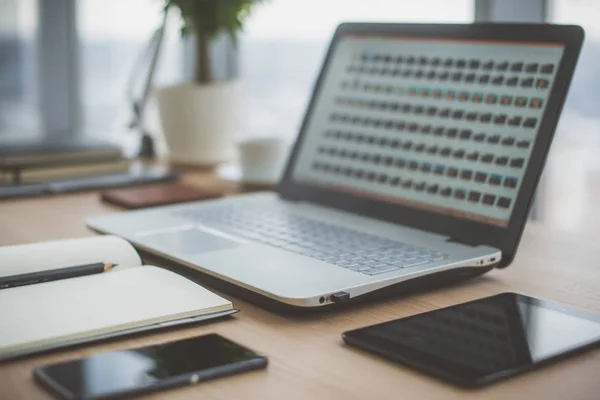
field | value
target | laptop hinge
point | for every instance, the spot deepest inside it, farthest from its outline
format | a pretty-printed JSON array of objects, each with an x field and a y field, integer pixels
[{"x": 465, "y": 243}]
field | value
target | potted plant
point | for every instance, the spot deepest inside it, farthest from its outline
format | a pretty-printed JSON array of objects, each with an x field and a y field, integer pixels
[{"x": 201, "y": 118}]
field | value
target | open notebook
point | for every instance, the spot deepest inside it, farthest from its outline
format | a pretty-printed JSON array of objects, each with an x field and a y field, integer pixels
[{"x": 129, "y": 298}]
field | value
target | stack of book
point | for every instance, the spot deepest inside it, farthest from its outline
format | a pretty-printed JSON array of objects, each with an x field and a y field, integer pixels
[{"x": 45, "y": 161}]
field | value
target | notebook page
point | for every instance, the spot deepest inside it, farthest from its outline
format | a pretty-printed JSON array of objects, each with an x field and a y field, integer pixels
[
  {"x": 54, "y": 312},
  {"x": 42, "y": 256}
]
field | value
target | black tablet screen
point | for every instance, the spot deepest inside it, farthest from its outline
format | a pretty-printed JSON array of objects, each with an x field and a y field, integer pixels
[{"x": 480, "y": 341}]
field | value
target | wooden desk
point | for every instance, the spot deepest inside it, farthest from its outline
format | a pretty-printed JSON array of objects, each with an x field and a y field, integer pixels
[{"x": 307, "y": 357}]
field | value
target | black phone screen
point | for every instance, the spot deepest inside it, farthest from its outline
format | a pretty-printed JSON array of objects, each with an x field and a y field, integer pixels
[
  {"x": 483, "y": 340},
  {"x": 149, "y": 368}
]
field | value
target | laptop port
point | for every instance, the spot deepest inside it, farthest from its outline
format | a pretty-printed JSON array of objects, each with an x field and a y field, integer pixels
[{"x": 339, "y": 297}]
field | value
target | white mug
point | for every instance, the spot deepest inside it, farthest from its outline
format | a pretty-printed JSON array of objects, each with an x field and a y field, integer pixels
[{"x": 262, "y": 159}]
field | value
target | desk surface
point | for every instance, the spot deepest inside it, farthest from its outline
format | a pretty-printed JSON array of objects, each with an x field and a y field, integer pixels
[{"x": 307, "y": 357}]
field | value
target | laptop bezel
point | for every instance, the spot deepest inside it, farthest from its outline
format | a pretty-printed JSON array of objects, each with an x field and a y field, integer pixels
[{"x": 466, "y": 231}]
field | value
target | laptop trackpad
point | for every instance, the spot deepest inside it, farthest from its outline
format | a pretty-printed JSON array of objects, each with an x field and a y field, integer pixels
[{"x": 187, "y": 241}]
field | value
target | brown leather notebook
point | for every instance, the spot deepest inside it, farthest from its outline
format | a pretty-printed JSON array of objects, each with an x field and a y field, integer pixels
[{"x": 149, "y": 196}]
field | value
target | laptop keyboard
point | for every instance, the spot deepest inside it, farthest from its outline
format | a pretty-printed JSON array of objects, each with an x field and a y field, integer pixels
[{"x": 344, "y": 247}]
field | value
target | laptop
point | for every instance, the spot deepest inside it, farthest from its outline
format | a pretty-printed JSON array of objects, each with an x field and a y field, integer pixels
[{"x": 416, "y": 164}]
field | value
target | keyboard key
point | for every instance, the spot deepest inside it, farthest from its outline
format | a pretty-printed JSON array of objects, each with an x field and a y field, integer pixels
[
  {"x": 480, "y": 177},
  {"x": 542, "y": 84},
  {"x": 480, "y": 137},
  {"x": 510, "y": 182},
  {"x": 466, "y": 174},
  {"x": 459, "y": 154},
  {"x": 536, "y": 103},
  {"x": 503, "y": 202},
  {"x": 382, "y": 269},
  {"x": 489, "y": 199},
  {"x": 523, "y": 144},
  {"x": 458, "y": 114},
  {"x": 474, "y": 196},
  {"x": 531, "y": 68},
  {"x": 485, "y": 118},
  {"x": 433, "y": 189},
  {"x": 521, "y": 101},
  {"x": 488, "y": 65},
  {"x": 547, "y": 69},
  {"x": 432, "y": 149},
  {"x": 500, "y": 119},
  {"x": 452, "y": 172},
  {"x": 491, "y": 99},
  {"x": 502, "y": 160},
  {"x": 506, "y": 100},
  {"x": 495, "y": 179},
  {"x": 465, "y": 134},
  {"x": 494, "y": 139},
  {"x": 487, "y": 158},
  {"x": 515, "y": 121},
  {"x": 474, "y": 156},
  {"x": 460, "y": 194},
  {"x": 516, "y": 67},
  {"x": 512, "y": 82},
  {"x": 527, "y": 82},
  {"x": 503, "y": 66},
  {"x": 509, "y": 141},
  {"x": 530, "y": 123},
  {"x": 517, "y": 162}
]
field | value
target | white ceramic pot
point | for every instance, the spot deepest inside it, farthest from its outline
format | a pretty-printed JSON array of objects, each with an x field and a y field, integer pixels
[{"x": 200, "y": 122}]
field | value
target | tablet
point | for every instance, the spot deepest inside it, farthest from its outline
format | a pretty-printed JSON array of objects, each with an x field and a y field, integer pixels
[{"x": 478, "y": 342}]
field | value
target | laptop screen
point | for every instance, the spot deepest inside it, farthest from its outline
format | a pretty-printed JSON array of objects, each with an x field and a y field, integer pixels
[{"x": 437, "y": 124}]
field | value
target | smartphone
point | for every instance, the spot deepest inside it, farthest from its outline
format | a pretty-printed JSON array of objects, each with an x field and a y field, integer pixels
[
  {"x": 144, "y": 370},
  {"x": 482, "y": 341}
]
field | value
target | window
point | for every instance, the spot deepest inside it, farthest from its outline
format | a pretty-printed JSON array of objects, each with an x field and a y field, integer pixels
[
  {"x": 571, "y": 184},
  {"x": 285, "y": 42},
  {"x": 18, "y": 76},
  {"x": 582, "y": 110},
  {"x": 113, "y": 36}
]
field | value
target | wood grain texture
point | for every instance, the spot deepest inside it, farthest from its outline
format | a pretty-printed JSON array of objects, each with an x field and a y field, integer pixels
[{"x": 307, "y": 357}]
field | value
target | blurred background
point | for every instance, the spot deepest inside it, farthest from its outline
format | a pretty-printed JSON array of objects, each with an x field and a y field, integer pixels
[{"x": 65, "y": 64}]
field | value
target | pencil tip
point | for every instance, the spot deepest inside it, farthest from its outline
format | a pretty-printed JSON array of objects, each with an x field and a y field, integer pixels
[{"x": 109, "y": 266}]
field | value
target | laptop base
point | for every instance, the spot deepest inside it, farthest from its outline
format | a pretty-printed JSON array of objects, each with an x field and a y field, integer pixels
[{"x": 427, "y": 282}]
